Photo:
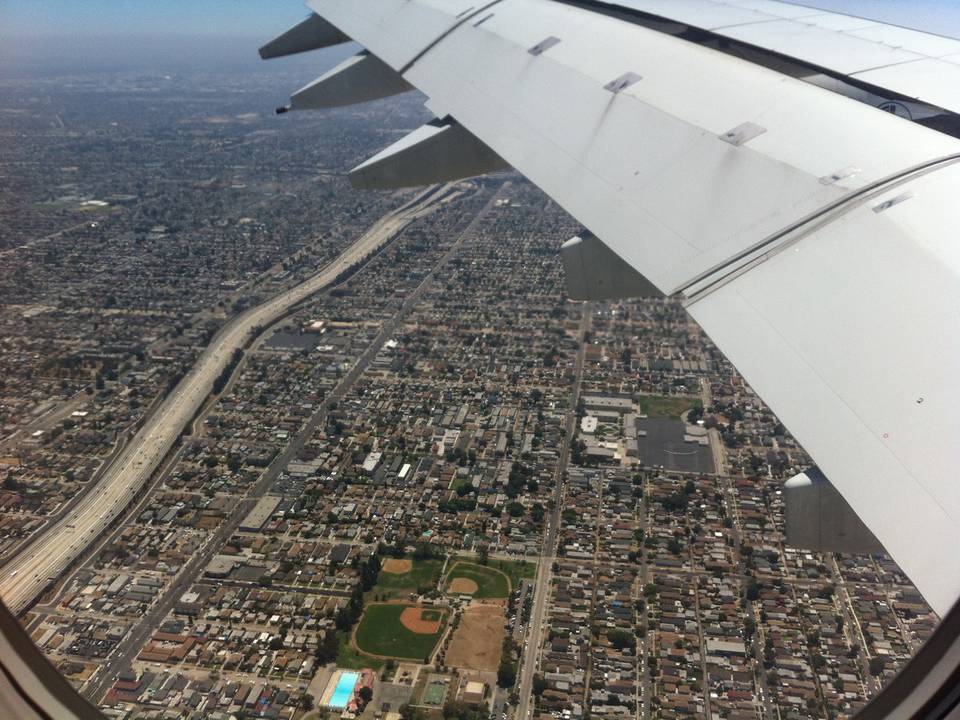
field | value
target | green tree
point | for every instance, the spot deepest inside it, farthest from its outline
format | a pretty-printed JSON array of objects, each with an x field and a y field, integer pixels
[
  {"x": 506, "y": 674},
  {"x": 621, "y": 639},
  {"x": 408, "y": 712},
  {"x": 539, "y": 684},
  {"x": 328, "y": 648}
]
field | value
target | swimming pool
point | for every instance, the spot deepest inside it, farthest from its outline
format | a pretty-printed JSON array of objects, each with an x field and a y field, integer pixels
[{"x": 344, "y": 690}]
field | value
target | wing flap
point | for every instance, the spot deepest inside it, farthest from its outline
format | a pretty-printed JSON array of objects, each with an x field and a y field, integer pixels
[
  {"x": 703, "y": 167},
  {"x": 617, "y": 161}
]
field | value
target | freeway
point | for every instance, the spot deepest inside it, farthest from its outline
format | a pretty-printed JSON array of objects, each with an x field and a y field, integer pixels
[
  {"x": 123, "y": 656},
  {"x": 56, "y": 546}
]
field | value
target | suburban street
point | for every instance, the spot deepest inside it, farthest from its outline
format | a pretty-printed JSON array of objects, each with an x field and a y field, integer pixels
[{"x": 541, "y": 592}]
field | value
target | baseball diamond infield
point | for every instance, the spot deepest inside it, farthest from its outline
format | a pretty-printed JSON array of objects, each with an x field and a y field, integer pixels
[
  {"x": 463, "y": 586},
  {"x": 485, "y": 582},
  {"x": 399, "y": 630}
]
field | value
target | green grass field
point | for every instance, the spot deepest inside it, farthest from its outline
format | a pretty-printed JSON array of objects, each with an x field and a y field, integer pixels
[
  {"x": 516, "y": 570},
  {"x": 491, "y": 583},
  {"x": 423, "y": 573},
  {"x": 660, "y": 406},
  {"x": 349, "y": 658},
  {"x": 381, "y": 633}
]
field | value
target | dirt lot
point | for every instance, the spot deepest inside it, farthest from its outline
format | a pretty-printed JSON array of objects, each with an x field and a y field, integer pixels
[
  {"x": 397, "y": 567},
  {"x": 477, "y": 640}
]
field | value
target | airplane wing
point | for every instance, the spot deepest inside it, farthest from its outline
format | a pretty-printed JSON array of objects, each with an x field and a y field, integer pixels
[
  {"x": 808, "y": 232},
  {"x": 915, "y": 65}
]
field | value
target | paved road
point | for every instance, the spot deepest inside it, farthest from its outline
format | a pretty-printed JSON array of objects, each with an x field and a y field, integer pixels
[
  {"x": 768, "y": 695},
  {"x": 645, "y": 647},
  {"x": 45, "y": 238},
  {"x": 49, "y": 554},
  {"x": 57, "y": 411},
  {"x": 852, "y": 626},
  {"x": 542, "y": 584}
]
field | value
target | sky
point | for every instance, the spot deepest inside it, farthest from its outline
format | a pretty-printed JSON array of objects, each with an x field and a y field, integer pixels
[
  {"x": 256, "y": 18},
  {"x": 54, "y": 36},
  {"x": 94, "y": 34},
  {"x": 225, "y": 18},
  {"x": 936, "y": 16}
]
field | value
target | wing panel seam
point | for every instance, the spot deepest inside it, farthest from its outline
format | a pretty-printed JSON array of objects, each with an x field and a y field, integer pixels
[
  {"x": 705, "y": 283},
  {"x": 467, "y": 17}
]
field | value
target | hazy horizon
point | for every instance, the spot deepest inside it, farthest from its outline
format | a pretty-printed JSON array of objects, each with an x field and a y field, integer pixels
[
  {"x": 146, "y": 53},
  {"x": 49, "y": 37}
]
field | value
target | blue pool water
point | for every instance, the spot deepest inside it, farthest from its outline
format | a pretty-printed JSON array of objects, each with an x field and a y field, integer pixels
[{"x": 344, "y": 690}]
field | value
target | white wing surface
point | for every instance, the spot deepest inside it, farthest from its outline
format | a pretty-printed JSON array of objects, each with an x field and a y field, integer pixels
[
  {"x": 913, "y": 64},
  {"x": 811, "y": 235}
]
